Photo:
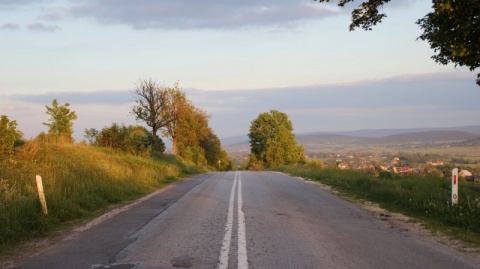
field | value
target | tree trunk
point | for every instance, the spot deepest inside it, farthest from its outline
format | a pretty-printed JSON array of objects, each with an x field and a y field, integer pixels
[{"x": 174, "y": 145}]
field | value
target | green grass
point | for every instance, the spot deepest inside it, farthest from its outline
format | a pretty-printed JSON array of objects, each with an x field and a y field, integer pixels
[
  {"x": 426, "y": 198},
  {"x": 79, "y": 182}
]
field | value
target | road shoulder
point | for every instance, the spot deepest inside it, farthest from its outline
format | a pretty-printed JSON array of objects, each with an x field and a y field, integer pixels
[{"x": 402, "y": 222}]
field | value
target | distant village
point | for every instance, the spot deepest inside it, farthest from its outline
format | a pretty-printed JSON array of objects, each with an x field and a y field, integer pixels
[{"x": 401, "y": 163}]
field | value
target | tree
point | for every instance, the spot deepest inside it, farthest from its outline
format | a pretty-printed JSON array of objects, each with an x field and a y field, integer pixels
[
  {"x": 91, "y": 135},
  {"x": 191, "y": 129},
  {"x": 215, "y": 155},
  {"x": 193, "y": 126},
  {"x": 272, "y": 141},
  {"x": 129, "y": 139},
  {"x": 60, "y": 126},
  {"x": 9, "y": 135},
  {"x": 152, "y": 108},
  {"x": 452, "y": 29},
  {"x": 453, "y": 32},
  {"x": 177, "y": 107}
]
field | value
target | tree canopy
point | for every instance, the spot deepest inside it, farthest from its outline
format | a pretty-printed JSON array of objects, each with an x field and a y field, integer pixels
[
  {"x": 272, "y": 142},
  {"x": 130, "y": 139},
  {"x": 60, "y": 125},
  {"x": 168, "y": 110},
  {"x": 452, "y": 29},
  {"x": 178, "y": 107},
  {"x": 9, "y": 135}
]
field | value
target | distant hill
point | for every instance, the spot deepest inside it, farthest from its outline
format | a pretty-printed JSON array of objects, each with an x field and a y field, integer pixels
[
  {"x": 234, "y": 140},
  {"x": 387, "y": 132},
  {"x": 424, "y": 137},
  {"x": 456, "y": 136},
  {"x": 475, "y": 129},
  {"x": 469, "y": 143}
]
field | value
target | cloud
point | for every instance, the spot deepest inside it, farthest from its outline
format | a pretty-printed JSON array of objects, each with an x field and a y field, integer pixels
[
  {"x": 10, "y": 26},
  {"x": 185, "y": 14},
  {"x": 427, "y": 100},
  {"x": 40, "y": 27}
]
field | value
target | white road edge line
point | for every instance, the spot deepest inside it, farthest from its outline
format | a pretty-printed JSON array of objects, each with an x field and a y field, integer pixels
[
  {"x": 225, "y": 250},
  {"x": 242, "y": 238}
]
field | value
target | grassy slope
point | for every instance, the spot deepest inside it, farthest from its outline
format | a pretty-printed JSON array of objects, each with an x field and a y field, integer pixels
[
  {"x": 425, "y": 198},
  {"x": 79, "y": 180}
]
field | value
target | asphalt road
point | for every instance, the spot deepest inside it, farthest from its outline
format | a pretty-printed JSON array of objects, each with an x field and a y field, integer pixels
[{"x": 245, "y": 220}]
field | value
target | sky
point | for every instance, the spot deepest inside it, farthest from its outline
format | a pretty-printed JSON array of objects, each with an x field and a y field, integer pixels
[{"x": 234, "y": 59}]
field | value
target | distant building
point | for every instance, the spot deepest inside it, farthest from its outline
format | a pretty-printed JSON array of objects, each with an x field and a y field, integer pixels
[
  {"x": 465, "y": 173},
  {"x": 402, "y": 169},
  {"x": 343, "y": 166},
  {"x": 436, "y": 163},
  {"x": 385, "y": 168}
]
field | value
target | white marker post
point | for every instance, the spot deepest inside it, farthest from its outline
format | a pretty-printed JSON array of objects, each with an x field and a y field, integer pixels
[
  {"x": 455, "y": 186},
  {"x": 41, "y": 194}
]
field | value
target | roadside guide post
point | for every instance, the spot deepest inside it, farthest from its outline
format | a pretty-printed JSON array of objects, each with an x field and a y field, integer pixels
[
  {"x": 455, "y": 186},
  {"x": 41, "y": 194}
]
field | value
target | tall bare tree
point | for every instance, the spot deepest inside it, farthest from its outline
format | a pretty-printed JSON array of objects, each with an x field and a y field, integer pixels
[{"x": 151, "y": 106}]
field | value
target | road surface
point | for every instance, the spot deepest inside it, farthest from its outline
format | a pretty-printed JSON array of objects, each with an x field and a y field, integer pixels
[{"x": 245, "y": 220}]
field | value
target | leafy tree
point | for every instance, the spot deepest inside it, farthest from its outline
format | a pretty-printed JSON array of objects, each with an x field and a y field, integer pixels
[
  {"x": 272, "y": 141},
  {"x": 254, "y": 164},
  {"x": 193, "y": 126},
  {"x": 129, "y": 139},
  {"x": 191, "y": 129},
  {"x": 178, "y": 106},
  {"x": 192, "y": 153},
  {"x": 9, "y": 135},
  {"x": 152, "y": 108},
  {"x": 215, "y": 155},
  {"x": 90, "y": 135},
  {"x": 115, "y": 136},
  {"x": 195, "y": 140},
  {"x": 452, "y": 29},
  {"x": 60, "y": 126}
]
